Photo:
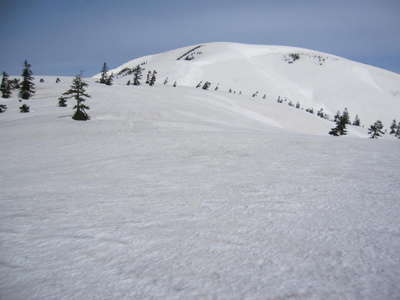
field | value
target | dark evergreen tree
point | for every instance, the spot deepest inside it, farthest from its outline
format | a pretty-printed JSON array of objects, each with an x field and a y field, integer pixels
[
  {"x": 393, "y": 127},
  {"x": 78, "y": 92},
  {"x": 166, "y": 81},
  {"x": 27, "y": 88},
  {"x": 310, "y": 110},
  {"x": 199, "y": 84},
  {"x": 290, "y": 103},
  {"x": 41, "y": 80},
  {"x": 264, "y": 96},
  {"x": 346, "y": 116},
  {"x": 104, "y": 74},
  {"x": 298, "y": 105},
  {"x": 397, "y": 134},
  {"x": 58, "y": 80},
  {"x": 375, "y": 130},
  {"x": 137, "y": 75},
  {"x": 206, "y": 85},
  {"x": 148, "y": 77},
  {"x": 62, "y": 101},
  {"x": 15, "y": 84},
  {"x": 3, "y": 108},
  {"x": 153, "y": 78},
  {"x": 5, "y": 86},
  {"x": 336, "y": 117},
  {"x": 109, "y": 79},
  {"x": 230, "y": 90},
  {"x": 128, "y": 83},
  {"x": 174, "y": 85},
  {"x": 321, "y": 113},
  {"x": 340, "y": 128},
  {"x": 24, "y": 108},
  {"x": 356, "y": 121},
  {"x": 216, "y": 88}
]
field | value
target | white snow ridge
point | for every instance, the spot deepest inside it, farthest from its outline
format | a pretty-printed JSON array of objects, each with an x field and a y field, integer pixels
[{"x": 184, "y": 193}]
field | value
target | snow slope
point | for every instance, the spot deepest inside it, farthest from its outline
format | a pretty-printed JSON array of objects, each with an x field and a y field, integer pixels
[
  {"x": 316, "y": 79},
  {"x": 178, "y": 193}
]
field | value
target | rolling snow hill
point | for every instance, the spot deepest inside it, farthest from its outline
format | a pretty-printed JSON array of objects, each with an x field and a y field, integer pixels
[
  {"x": 181, "y": 193},
  {"x": 314, "y": 79}
]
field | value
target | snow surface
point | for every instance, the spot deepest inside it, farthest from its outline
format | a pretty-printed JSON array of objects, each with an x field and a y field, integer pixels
[
  {"x": 317, "y": 79},
  {"x": 180, "y": 193}
]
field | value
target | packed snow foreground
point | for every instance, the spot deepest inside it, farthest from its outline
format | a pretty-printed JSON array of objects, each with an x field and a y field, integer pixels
[{"x": 182, "y": 193}]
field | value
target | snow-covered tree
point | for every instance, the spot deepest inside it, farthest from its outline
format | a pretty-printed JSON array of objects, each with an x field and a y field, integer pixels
[
  {"x": 110, "y": 79},
  {"x": 375, "y": 130},
  {"x": 298, "y": 105},
  {"x": 356, "y": 121},
  {"x": 62, "y": 101},
  {"x": 148, "y": 76},
  {"x": 153, "y": 78},
  {"x": 340, "y": 128},
  {"x": 137, "y": 75},
  {"x": 27, "y": 87},
  {"x": 24, "y": 108},
  {"x": 206, "y": 85},
  {"x": 3, "y": 108},
  {"x": 5, "y": 86},
  {"x": 104, "y": 74},
  {"x": 78, "y": 92},
  {"x": 397, "y": 134},
  {"x": 58, "y": 80},
  {"x": 174, "y": 85},
  {"x": 216, "y": 88},
  {"x": 199, "y": 84},
  {"x": 166, "y": 81},
  {"x": 393, "y": 127},
  {"x": 346, "y": 116},
  {"x": 336, "y": 117}
]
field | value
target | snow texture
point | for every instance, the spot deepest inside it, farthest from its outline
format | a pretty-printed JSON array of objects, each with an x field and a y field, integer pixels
[{"x": 181, "y": 193}]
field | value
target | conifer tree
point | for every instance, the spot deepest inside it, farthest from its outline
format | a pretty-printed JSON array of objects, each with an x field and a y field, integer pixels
[
  {"x": 340, "y": 128},
  {"x": 264, "y": 96},
  {"x": 78, "y": 92},
  {"x": 137, "y": 75},
  {"x": 375, "y": 130},
  {"x": 356, "y": 121},
  {"x": 62, "y": 101},
  {"x": 153, "y": 78},
  {"x": 216, "y": 88},
  {"x": 298, "y": 105},
  {"x": 346, "y": 116},
  {"x": 166, "y": 81},
  {"x": 104, "y": 74},
  {"x": 397, "y": 134},
  {"x": 174, "y": 85},
  {"x": 206, "y": 85},
  {"x": 58, "y": 80},
  {"x": 199, "y": 84},
  {"x": 393, "y": 127},
  {"x": 3, "y": 108},
  {"x": 148, "y": 77},
  {"x": 27, "y": 88},
  {"x": 5, "y": 86},
  {"x": 336, "y": 117},
  {"x": 128, "y": 83},
  {"x": 109, "y": 79},
  {"x": 24, "y": 108}
]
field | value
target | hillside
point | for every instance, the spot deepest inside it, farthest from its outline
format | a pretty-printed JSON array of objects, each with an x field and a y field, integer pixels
[
  {"x": 313, "y": 78},
  {"x": 181, "y": 193}
]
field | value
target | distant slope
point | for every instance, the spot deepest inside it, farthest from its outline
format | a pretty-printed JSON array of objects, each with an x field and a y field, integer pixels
[{"x": 313, "y": 78}]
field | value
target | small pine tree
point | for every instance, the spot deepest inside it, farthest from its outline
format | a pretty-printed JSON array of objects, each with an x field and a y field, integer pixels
[
  {"x": 264, "y": 96},
  {"x": 290, "y": 103},
  {"x": 3, "y": 108},
  {"x": 58, "y": 80},
  {"x": 298, "y": 105},
  {"x": 166, "y": 81},
  {"x": 397, "y": 134},
  {"x": 24, "y": 108},
  {"x": 5, "y": 86},
  {"x": 109, "y": 79},
  {"x": 27, "y": 88},
  {"x": 206, "y": 85},
  {"x": 336, "y": 117},
  {"x": 375, "y": 130},
  {"x": 148, "y": 77},
  {"x": 128, "y": 83},
  {"x": 153, "y": 78},
  {"x": 199, "y": 84},
  {"x": 41, "y": 80},
  {"x": 346, "y": 116},
  {"x": 137, "y": 75},
  {"x": 104, "y": 74},
  {"x": 216, "y": 88},
  {"x": 340, "y": 128},
  {"x": 62, "y": 101},
  {"x": 393, "y": 127},
  {"x": 78, "y": 91},
  {"x": 230, "y": 90},
  {"x": 174, "y": 85},
  {"x": 356, "y": 121}
]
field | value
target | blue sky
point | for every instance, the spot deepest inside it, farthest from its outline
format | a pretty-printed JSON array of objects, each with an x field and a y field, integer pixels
[{"x": 63, "y": 37}]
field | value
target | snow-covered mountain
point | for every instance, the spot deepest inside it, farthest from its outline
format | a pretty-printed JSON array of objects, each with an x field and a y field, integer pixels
[{"x": 313, "y": 78}]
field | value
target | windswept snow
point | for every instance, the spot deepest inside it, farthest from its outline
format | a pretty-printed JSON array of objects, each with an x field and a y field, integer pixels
[{"x": 180, "y": 193}]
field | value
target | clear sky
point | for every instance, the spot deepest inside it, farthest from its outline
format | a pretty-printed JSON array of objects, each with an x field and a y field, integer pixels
[{"x": 63, "y": 37}]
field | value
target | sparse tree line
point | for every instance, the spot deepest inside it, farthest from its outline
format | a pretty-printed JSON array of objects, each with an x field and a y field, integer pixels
[{"x": 77, "y": 91}]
